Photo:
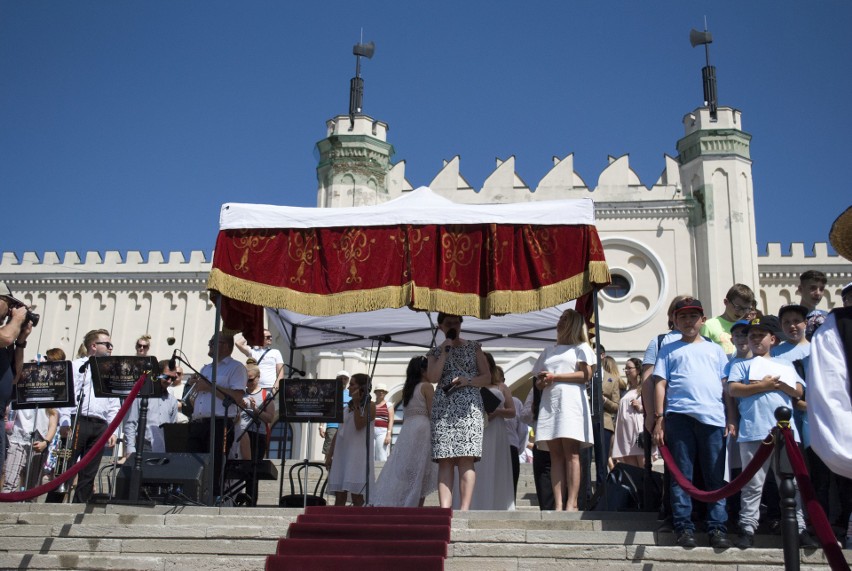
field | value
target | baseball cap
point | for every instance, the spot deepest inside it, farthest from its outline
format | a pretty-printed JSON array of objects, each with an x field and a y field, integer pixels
[
  {"x": 847, "y": 289},
  {"x": 768, "y": 323},
  {"x": 7, "y": 293},
  {"x": 380, "y": 387},
  {"x": 738, "y": 324},
  {"x": 342, "y": 373},
  {"x": 688, "y": 303}
]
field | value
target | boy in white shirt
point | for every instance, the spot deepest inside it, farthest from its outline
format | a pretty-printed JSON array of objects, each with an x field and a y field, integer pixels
[{"x": 757, "y": 400}]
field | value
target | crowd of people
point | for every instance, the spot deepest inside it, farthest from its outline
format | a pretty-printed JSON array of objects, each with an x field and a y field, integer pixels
[
  {"x": 706, "y": 389},
  {"x": 42, "y": 442}
]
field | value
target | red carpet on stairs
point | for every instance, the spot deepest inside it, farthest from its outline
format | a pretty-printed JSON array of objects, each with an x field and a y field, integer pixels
[{"x": 328, "y": 538}]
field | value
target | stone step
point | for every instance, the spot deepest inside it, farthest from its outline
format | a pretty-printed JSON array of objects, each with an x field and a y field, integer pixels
[
  {"x": 63, "y": 536},
  {"x": 129, "y": 562}
]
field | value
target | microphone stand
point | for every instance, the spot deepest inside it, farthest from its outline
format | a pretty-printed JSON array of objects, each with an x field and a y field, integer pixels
[
  {"x": 118, "y": 441},
  {"x": 141, "y": 431},
  {"x": 255, "y": 421},
  {"x": 366, "y": 412},
  {"x": 26, "y": 483},
  {"x": 227, "y": 401},
  {"x": 74, "y": 437}
]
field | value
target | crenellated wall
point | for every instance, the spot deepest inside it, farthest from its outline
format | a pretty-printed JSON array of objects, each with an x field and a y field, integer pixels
[
  {"x": 616, "y": 183},
  {"x": 129, "y": 296}
]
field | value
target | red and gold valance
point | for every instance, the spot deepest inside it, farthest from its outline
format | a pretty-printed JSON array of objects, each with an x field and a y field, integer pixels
[{"x": 468, "y": 269}]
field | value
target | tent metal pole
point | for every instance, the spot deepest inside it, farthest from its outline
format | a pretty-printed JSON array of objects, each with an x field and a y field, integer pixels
[
  {"x": 597, "y": 401},
  {"x": 282, "y": 448},
  {"x": 369, "y": 431},
  {"x": 211, "y": 467}
]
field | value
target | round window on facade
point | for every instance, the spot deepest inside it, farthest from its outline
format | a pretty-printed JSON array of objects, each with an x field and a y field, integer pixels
[{"x": 619, "y": 288}]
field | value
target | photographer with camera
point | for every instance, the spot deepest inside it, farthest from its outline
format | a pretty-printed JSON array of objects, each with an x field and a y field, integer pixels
[{"x": 17, "y": 324}]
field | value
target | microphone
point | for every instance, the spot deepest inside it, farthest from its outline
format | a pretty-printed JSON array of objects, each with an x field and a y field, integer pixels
[
  {"x": 450, "y": 388},
  {"x": 382, "y": 338},
  {"x": 451, "y": 335},
  {"x": 86, "y": 364},
  {"x": 295, "y": 370},
  {"x": 173, "y": 360},
  {"x": 170, "y": 341}
]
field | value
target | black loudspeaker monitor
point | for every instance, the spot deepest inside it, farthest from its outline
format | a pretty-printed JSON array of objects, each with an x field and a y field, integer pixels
[{"x": 167, "y": 478}]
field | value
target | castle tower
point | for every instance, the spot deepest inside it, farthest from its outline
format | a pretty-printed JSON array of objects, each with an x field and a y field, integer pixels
[
  {"x": 715, "y": 169},
  {"x": 354, "y": 162},
  {"x": 354, "y": 158}
]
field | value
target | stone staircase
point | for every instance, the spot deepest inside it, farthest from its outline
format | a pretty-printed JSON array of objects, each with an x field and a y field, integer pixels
[{"x": 64, "y": 536}]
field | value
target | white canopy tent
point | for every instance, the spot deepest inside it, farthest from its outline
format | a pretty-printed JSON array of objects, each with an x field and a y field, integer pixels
[
  {"x": 402, "y": 326},
  {"x": 255, "y": 238}
]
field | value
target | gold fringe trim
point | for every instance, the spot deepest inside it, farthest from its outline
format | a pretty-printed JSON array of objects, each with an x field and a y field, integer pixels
[
  {"x": 505, "y": 302},
  {"x": 308, "y": 303},
  {"x": 496, "y": 303}
]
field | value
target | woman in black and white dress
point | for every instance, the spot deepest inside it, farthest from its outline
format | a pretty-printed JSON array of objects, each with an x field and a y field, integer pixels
[{"x": 460, "y": 369}]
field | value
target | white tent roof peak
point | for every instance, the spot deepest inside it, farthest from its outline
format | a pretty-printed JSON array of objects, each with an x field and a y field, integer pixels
[{"x": 420, "y": 206}]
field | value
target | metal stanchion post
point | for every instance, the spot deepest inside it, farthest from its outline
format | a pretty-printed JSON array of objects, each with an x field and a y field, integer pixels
[{"x": 787, "y": 490}]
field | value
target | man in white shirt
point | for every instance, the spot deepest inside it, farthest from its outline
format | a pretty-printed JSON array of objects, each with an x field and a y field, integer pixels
[
  {"x": 268, "y": 360},
  {"x": 95, "y": 413},
  {"x": 230, "y": 382}
]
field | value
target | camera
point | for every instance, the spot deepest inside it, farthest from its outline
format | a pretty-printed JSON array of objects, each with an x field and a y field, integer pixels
[{"x": 32, "y": 318}]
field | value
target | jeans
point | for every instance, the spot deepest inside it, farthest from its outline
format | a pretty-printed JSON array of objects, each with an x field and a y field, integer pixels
[{"x": 688, "y": 440}]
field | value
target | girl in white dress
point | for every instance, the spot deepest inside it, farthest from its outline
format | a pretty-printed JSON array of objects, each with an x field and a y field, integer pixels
[
  {"x": 409, "y": 475},
  {"x": 348, "y": 470},
  {"x": 495, "y": 489},
  {"x": 565, "y": 418}
]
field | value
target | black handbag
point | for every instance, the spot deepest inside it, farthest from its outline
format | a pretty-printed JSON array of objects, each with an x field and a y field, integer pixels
[{"x": 489, "y": 400}]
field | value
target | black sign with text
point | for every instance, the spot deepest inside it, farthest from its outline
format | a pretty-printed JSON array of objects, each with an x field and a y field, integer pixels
[
  {"x": 45, "y": 385},
  {"x": 115, "y": 376},
  {"x": 312, "y": 400}
]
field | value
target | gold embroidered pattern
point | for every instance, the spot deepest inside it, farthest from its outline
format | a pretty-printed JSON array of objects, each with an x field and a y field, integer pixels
[
  {"x": 409, "y": 243},
  {"x": 256, "y": 242},
  {"x": 302, "y": 247},
  {"x": 542, "y": 244},
  {"x": 353, "y": 248},
  {"x": 495, "y": 246},
  {"x": 458, "y": 250}
]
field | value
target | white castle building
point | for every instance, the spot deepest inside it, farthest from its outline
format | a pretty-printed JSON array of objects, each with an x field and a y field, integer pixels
[{"x": 691, "y": 231}]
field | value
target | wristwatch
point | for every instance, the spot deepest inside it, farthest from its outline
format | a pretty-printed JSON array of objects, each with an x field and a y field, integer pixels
[{"x": 20, "y": 344}]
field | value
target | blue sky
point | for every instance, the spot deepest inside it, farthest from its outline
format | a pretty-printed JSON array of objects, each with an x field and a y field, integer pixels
[{"x": 124, "y": 125}]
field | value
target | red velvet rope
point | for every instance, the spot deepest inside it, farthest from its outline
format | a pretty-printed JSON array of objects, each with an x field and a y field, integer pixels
[
  {"x": 730, "y": 489},
  {"x": 89, "y": 457},
  {"x": 818, "y": 518}
]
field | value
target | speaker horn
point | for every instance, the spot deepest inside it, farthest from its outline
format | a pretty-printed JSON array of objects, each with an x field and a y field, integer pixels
[
  {"x": 698, "y": 38},
  {"x": 366, "y": 50}
]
